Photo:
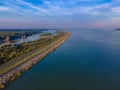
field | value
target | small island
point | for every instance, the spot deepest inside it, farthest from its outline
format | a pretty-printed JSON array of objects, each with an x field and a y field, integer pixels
[
  {"x": 117, "y": 29},
  {"x": 15, "y": 59}
]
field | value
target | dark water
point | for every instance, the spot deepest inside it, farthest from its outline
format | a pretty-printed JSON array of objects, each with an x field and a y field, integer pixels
[{"x": 89, "y": 60}]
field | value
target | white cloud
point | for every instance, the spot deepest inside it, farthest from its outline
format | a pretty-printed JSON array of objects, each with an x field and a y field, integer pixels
[
  {"x": 116, "y": 9},
  {"x": 57, "y": 9},
  {"x": 110, "y": 23},
  {"x": 117, "y": 19},
  {"x": 3, "y": 8},
  {"x": 93, "y": 10},
  {"x": 60, "y": 7},
  {"x": 31, "y": 6}
]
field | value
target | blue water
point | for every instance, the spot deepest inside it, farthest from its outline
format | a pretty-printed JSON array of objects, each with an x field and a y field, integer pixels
[{"x": 88, "y": 60}]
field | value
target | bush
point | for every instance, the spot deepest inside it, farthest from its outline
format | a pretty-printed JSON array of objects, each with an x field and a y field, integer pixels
[{"x": 2, "y": 86}]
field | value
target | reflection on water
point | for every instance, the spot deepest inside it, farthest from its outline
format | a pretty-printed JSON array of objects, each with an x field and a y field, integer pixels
[{"x": 89, "y": 60}]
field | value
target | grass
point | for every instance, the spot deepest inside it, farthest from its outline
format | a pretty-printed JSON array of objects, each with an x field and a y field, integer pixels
[{"x": 16, "y": 62}]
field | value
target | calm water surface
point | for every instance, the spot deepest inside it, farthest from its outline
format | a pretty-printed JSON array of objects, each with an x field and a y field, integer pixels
[{"x": 89, "y": 60}]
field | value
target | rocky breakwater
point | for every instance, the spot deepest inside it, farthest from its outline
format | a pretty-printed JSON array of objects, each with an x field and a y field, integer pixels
[{"x": 16, "y": 72}]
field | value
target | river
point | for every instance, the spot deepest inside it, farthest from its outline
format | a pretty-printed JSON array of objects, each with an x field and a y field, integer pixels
[{"x": 88, "y": 60}]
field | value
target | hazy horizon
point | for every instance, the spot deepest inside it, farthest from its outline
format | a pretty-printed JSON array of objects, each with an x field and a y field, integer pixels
[{"x": 59, "y": 13}]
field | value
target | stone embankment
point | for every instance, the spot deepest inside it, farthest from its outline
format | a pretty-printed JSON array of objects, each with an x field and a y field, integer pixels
[{"x": 16, "y": 72}]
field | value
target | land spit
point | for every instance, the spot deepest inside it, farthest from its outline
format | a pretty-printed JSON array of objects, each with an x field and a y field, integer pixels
[{"x": 16, "y": 72}]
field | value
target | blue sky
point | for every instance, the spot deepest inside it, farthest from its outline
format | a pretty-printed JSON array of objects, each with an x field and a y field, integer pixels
[{"x": 59, "y": 13}]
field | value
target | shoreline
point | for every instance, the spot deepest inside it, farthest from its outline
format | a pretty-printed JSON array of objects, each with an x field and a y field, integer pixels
[{"x": 17, "y": 71}]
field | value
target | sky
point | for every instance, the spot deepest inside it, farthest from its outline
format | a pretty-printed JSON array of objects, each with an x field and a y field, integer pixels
[{"x": 59, "y": 13}]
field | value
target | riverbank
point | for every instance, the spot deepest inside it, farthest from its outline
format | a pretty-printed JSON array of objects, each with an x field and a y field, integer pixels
[{"x": 17, "y": 71}]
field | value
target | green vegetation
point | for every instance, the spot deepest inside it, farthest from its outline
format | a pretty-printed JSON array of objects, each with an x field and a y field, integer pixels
[
  {"x": 17, "y": 33},
  {"x": 13, "y": 55},
  {"x": 13, "y": 35},
  {"x": 10, "y": 52},
  {"x": 18, "y": 73},
  {"x": 2, "y": 86}
]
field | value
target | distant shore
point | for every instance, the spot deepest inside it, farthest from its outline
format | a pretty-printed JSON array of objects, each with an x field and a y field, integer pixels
[{"x": 117, "y": 29}]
